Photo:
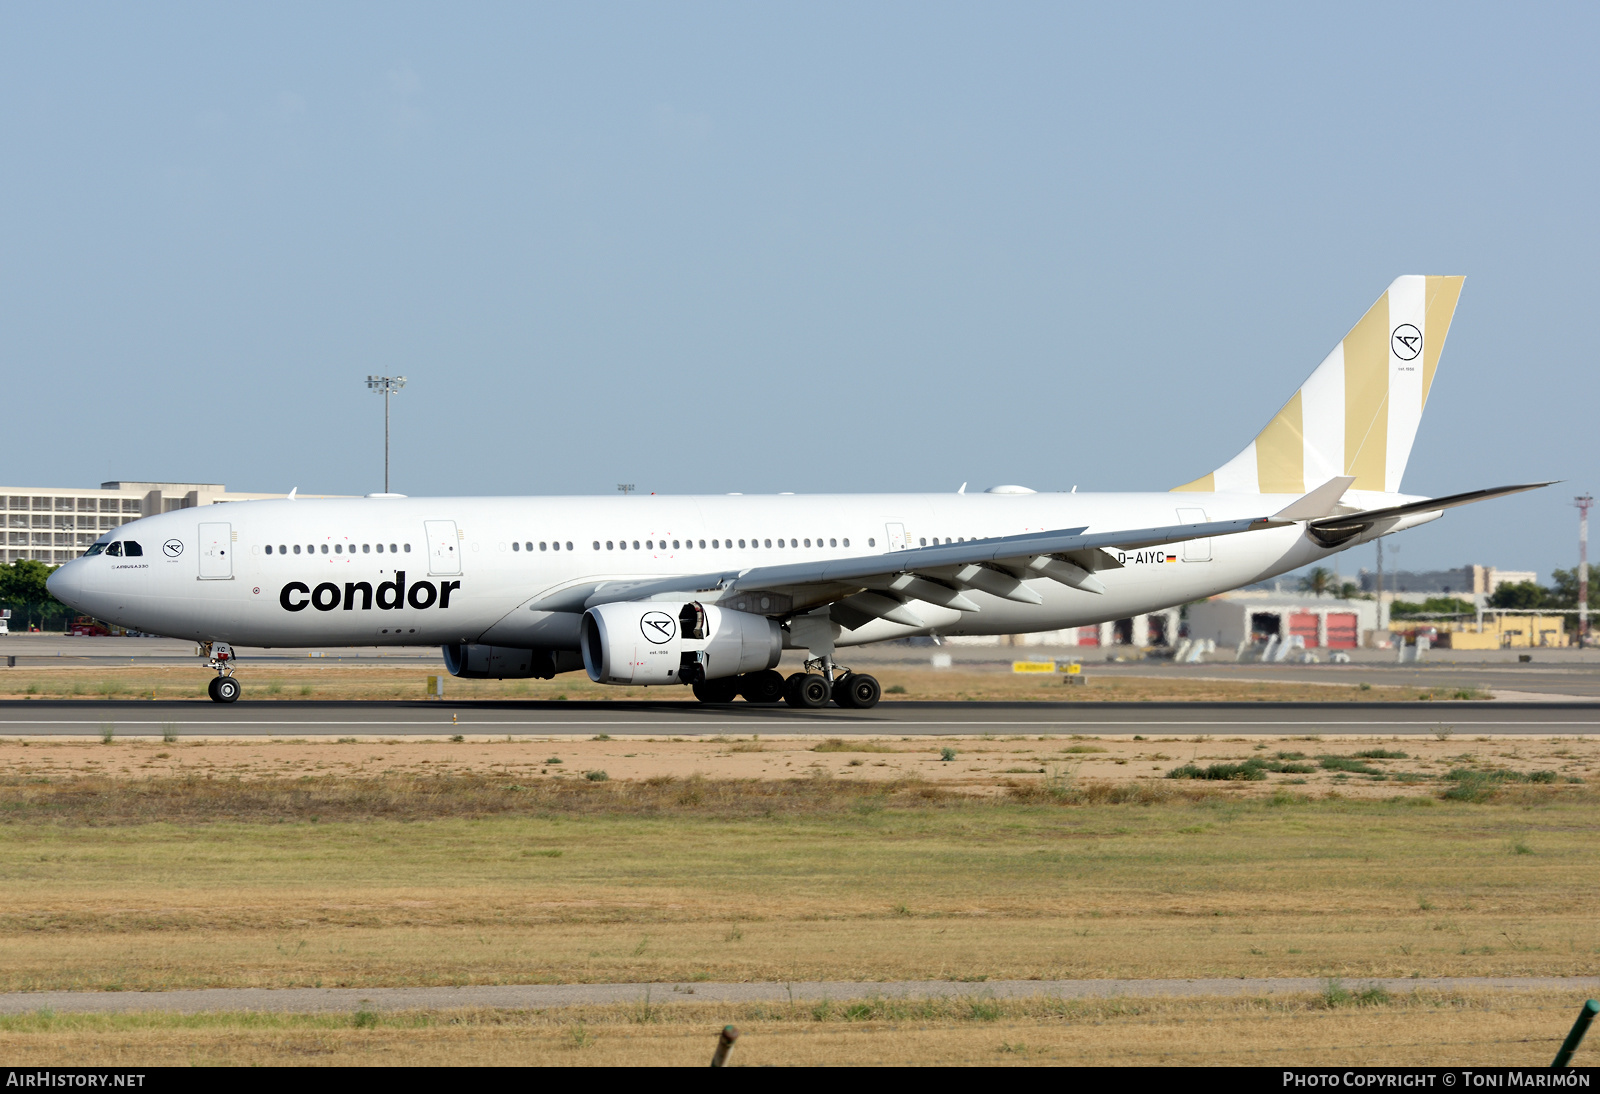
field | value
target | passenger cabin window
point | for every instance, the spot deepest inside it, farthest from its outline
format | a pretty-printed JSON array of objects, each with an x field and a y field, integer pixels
[
  {"x": 366, "y": 548},
  {"x": 408, "y": 548},
  {"x": 296, "y": 548},
  {"x": 515, "y": 546},
  {"x": 269, "y": 548},
  {"x": 380, "y": 548}
]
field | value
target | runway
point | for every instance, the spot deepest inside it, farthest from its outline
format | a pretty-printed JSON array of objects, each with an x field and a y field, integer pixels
[
  {"x": 532, "y": 996},
  {"x": 134, "y": 718}
]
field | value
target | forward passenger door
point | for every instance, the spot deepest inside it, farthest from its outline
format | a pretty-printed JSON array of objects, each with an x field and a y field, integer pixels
[{"x": 216, "y": 551}]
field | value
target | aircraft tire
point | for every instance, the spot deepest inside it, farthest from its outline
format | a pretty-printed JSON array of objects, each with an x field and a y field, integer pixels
[
  {"x": 841, "y": 691},
  {"x": 211, "y": 688},
  {"x": 762, "y": 687},
  {"x": 722, "y": 690},
  {"x": 857, "y": 691},
  {"x": 227, "y": 690},
  {"x": 807, "y": 691}
]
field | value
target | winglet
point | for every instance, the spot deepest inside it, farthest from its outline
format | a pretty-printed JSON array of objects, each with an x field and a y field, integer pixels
[
  {"x": 1319, "y": 503},
  {"x": 293, "y": 492}
]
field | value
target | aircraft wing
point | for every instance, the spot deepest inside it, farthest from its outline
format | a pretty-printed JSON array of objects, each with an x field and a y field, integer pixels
[{"x": 879, "y": 586}]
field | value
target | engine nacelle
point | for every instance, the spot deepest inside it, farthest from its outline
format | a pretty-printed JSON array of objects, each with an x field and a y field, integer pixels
[
  {"x": 473, "y": 661},
  {"x": 675, "y": 643}
]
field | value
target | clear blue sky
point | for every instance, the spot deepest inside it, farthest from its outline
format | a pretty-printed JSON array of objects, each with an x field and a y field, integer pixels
[{"x": 808, "y": 247}]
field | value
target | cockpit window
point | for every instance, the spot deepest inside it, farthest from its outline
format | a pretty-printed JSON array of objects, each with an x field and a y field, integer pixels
[
  {"x": 132, "y": 549},
  {"x": 92, "y": 551},
  {"x": 114, "y": 549}
]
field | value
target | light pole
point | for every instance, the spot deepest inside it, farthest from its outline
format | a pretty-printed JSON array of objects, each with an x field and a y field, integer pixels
[
  {"x": 388, "y": 385},
  {"x": 1583, "y": 503}
]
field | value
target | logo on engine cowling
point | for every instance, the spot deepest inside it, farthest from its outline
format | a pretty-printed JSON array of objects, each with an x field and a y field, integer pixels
[{"x": 658, "y": 627}]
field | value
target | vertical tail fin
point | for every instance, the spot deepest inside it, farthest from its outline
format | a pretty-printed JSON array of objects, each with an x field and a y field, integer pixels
[{"x": 1358, "y": 413}]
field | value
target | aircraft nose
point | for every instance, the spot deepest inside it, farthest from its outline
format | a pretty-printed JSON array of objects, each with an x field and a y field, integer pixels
[{"x": 66, "y": 584}]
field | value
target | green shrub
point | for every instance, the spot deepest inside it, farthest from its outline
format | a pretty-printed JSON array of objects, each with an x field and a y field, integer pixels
[
  {"x": 1381, "y": 754},
  {"x": 1245, "y": 772},
  {"x": 596, "y": 776},
  {"x": 1347, "y": 763}
]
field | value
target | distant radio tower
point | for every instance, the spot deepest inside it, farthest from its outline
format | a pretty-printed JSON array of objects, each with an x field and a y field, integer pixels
[{"x": 1583, "y": 503}]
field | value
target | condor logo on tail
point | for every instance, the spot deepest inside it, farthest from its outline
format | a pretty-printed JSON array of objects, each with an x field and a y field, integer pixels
[{"x": 389, "y": 595}]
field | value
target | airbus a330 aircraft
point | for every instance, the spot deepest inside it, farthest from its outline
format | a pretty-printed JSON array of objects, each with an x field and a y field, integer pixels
[{"x": 708, "y": 591}]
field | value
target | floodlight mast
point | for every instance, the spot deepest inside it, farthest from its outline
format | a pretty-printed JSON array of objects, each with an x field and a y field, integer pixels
[
  {"x": 1584, "y": 503},
  {"x": 388, "y": 385}
]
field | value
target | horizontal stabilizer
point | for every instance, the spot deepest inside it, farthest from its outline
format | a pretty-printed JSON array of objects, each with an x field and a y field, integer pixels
[
  {"x": 1321, "y": 502},
  {"x": 1330, "y": 531}
]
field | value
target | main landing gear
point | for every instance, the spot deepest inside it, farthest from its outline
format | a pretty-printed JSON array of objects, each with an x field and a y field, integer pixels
[
  {"x": 219, "y": 656},
  {"x": 805, "y": 690},
  {"x": 813, "y": 691},
  {"x": 764, "y": 687}
]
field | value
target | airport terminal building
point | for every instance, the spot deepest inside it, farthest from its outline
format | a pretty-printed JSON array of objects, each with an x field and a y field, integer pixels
[{"x": 55, "y": 524}]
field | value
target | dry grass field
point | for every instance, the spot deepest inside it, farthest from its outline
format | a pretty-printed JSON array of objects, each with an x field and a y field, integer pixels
[
  {"x": 1341, "y": 1027},
  {"x": 134, "y": 865},
  {"x": 335, "y": 679}
]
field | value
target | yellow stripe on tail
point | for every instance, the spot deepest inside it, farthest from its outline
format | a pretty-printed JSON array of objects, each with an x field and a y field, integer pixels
[{"x": 1358, "y": 413}]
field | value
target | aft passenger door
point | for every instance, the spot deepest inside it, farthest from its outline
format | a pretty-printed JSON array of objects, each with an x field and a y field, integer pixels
[
  {"x": 216, "y": 552},
  {"x": 444, "y": 547},
  {"x": 1195, "y": 550}
]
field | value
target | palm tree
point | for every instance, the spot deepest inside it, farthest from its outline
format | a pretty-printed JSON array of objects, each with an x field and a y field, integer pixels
[{"x": 1319, "y": 581}]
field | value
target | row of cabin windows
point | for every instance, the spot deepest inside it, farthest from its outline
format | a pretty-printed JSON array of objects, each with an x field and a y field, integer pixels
[
  {"x": 339, "y": 548},
  {"x": 553, "y": 546},
  {"x": 716, "y": 544}
]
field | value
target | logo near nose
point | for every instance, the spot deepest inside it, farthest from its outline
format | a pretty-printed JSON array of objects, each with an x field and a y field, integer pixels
[{"x": 172, "y": 548}]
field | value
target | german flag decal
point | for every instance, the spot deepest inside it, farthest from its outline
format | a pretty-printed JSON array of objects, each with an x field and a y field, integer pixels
[{"x": 1172, "y": 558}]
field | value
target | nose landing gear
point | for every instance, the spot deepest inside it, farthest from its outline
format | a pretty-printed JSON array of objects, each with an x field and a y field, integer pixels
[{"x": 219, "y": 656}]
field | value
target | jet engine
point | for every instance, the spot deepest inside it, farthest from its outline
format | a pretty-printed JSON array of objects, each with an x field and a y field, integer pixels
[
  {"x": 474, "y": 661},
  {"x": 667, "y": 643}
]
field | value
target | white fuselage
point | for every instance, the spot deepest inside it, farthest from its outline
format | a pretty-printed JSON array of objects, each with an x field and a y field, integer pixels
[{"x": 515, "y": 571}]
